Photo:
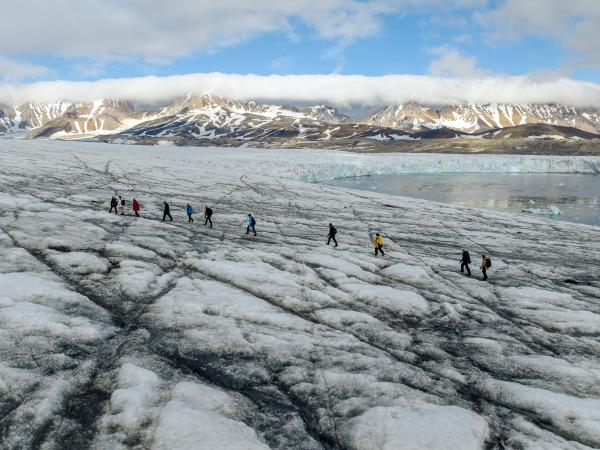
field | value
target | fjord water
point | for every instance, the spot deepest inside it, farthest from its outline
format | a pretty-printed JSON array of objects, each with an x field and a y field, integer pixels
[{"x": 577, "y": 196}]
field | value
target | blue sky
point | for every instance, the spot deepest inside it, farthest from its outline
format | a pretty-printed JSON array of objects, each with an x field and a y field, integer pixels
[
  {"x": 406, "y": 38},
  {"x": 91, "y": 40}
]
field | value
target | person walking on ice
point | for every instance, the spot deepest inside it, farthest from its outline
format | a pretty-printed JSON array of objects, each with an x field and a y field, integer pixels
[
  {"x": 207, "y": 216},
  {"x": 121, "y": 206},
  {"x": 167, "y": 212},
  {"x": 250, "y": 224},
  {"x": 378, "y": 242},
  {"x": 464, "y": 262},
  {"x": 135, "y": 205},
  {"x": 331, "y": 235},
  {"x": 189, "y": 211},
  {"x": 113, "y": 204},
  {"x": 486, "y": 263}
]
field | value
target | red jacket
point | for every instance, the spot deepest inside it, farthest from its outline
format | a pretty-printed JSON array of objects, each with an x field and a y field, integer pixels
[{"x": 136, "y": 205}]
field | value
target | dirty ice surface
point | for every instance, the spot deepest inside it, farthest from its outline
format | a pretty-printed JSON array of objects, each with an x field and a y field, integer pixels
[{"x": 130, "y": 333}]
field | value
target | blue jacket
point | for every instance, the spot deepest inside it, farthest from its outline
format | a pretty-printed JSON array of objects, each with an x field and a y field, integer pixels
[
  {"x": 250, "y": 220},
  {"x": 189, "y": 210}
]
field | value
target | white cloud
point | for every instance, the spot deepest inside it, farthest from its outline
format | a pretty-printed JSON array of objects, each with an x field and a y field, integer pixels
[
  {"x": 339, "y": 90},
  {"x": 162, "y": 29},
  {"x": 574, "y": 23},
  {"x": 12, "y": 70},
  {"x": 450, "y": 62},
  {"x": 158, "y": 29}
]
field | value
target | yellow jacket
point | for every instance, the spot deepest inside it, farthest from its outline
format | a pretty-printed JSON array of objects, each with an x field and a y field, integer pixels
[{"x": 378, "y": 241}]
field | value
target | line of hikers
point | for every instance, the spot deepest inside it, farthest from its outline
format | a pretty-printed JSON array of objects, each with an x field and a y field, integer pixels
[{"x": 118, "y": 205}]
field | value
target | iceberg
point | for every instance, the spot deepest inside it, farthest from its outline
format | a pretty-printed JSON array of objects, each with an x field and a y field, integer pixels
[{"x": 551, "y": 211}]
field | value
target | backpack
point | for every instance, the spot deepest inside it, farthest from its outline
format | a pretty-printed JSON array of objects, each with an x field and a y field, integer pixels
[
  {"x": 122, "y": 202},
  {"x": 333, "y": 231},
  {"x": 253, "y": 221},
  {"x": 488, "y": 263}
]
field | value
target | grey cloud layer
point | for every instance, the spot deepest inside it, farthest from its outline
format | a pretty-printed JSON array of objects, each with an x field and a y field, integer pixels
[{"x": 339, "y": 90}]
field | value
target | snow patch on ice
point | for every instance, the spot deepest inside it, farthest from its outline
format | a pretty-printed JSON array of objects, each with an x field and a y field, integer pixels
[
  {"x": 394, "y": 299},
  {"x": 80, "y": 262},
  {"x": 575, "y": 417},
  {"x": 199, "y": 416},
  {"x": 412, "y": 427},
  {"x": 406, "y": 272}
]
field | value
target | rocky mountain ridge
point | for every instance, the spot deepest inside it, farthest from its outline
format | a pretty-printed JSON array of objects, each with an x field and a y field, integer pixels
[
  {"x": 192, "y": 120},
  {"x": 471, "y": 118}
]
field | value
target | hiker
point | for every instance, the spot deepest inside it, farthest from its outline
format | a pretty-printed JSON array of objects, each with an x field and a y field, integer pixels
[
  {"x": 113, "y": 204},
  {"x": 331, "y": 235},
  {"x": 167, "y": 212},
  {"x": 378, "y": 242},
  {"x": 464, "y": 262},
  {"x": 121, "y": 206},
  {"x": 486, "y": 263},
  {"x": 189, "y": 211},
  {"x": 135, "y": 205},
  {"x": 251, "y": 223},
  {"x": 207, "y": 216}
]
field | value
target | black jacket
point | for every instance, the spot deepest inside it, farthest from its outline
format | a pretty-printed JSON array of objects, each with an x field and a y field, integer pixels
[{"x": 466, "y": 258}]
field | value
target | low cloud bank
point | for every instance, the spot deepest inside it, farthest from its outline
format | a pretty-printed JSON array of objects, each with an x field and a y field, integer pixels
[{"x": 338, "y": 90}]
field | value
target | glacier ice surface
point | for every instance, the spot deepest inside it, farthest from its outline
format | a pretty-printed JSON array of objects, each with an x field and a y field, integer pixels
[{"x": 129, "y": 333}]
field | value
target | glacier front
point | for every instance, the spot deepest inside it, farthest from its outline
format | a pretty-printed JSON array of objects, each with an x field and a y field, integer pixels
[{"x": 133, "y": 333}]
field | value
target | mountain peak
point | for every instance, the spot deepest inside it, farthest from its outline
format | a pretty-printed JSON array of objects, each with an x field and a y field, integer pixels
[
  {"x": 471, "y": 117},
  {"x": 326, "y": 113}
]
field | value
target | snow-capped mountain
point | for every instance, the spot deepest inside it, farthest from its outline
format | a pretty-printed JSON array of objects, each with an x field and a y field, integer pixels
[
  {"x": 327, "y": 114},
  {"x": 204, "y": 119},
  {"x": 408, "y": 116},
  {"x": 88, "y": 119},
  {"x": 7, "y": 114},
  {"x": 35, "y": 115},
  {"x": 471, "y": 118},
  {"x": 211, "y": 117},
  {"x": 63, "y": 118},
  {"x": 30, "y": 115},
  {"x": 223, "y": 121}
]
